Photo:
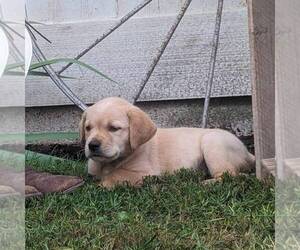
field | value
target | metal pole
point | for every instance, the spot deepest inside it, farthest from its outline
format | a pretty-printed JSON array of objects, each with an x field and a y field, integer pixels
[
  {"x": 55, "y": 78},
  {"x": 213, "y": 57},
  {"x": 162, "y": 48},
  {"x": 107, "y": 33},
  {"x": 15, "y": 52}
]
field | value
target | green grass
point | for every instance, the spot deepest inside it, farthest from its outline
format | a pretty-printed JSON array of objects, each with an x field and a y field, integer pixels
[{"x": 169, "y": 212}]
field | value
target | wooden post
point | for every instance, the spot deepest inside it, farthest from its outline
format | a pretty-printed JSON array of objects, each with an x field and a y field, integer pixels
[
  {"x": 287, "y": 59},
  {"x": 262, "y": 45}
]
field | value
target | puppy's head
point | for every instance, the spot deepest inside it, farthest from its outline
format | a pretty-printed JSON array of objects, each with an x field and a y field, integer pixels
[{"x": 113, "y": 128}]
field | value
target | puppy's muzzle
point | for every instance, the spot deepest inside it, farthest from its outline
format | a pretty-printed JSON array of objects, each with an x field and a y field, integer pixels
[{"x": 95, "y": 147}]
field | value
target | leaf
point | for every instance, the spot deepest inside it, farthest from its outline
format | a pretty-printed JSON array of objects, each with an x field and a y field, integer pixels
[
  {"x": 39, "y": 73},
  {"x": 34, "y": 73},
  {"x": 68, "y": 60},
  {"x": 14, "y": 66}
]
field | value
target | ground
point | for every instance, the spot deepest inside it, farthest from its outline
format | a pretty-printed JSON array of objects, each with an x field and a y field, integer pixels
[{"x": 170, "y": 212}]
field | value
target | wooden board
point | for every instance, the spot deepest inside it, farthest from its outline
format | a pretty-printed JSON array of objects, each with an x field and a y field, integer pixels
[
  {"x": 268, "y": 167},
  {"x": 262, "y": 44},
  {"x": 292, "y": 167},
  {"x": 287, "y": 83}
]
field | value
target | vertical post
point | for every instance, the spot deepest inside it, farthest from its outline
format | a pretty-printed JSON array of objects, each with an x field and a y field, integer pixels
[
  {"x": 262, "y": 44},
  {"x": 287, "y": 86}
]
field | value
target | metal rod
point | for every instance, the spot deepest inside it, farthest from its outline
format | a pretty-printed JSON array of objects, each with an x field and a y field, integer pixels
[
  {"x": 215, "y": 45},
  {"x": 15, "y": 52},
  {"x": 11, "y": 29},
  {"x": 39, "y": 33},
  {"x": 162, "y": 48},
  {"x": 55, "y": 78},
  {"x": 107, "y": 33}
]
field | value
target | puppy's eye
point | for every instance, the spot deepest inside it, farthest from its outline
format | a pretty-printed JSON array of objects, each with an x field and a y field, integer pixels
[
  {"x": 88, "y": 128},
  {"x": 113, "y": 128}
]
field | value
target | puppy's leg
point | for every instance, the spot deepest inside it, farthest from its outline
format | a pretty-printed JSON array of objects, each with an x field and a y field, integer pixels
[
  {"x": 94, "y": 169},
  {"x": 223, "y": 152},
  {"x": 121, "y": 176}
]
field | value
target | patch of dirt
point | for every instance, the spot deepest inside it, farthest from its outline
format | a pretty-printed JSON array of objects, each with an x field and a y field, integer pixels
[
  {"x": 74, "y": 150},
  {"x": 71, "y": 150}
]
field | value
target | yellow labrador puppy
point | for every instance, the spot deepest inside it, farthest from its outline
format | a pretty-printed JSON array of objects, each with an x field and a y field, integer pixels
[{"x": 122, "y": 144}]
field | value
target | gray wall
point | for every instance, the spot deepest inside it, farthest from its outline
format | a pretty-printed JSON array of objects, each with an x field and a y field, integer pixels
[{"x": 126, "y": 55}]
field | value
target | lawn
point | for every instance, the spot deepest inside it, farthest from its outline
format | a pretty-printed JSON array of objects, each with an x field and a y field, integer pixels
[{"x": 169, "y": 212}]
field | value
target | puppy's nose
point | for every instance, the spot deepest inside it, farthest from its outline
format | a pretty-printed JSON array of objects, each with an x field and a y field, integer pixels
[{"x": 94, "y": 146}]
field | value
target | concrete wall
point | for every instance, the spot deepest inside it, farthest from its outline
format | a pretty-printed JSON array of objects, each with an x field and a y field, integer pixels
[
  {"x": 233, "y": 114},
  {"x": 62, "y": 11},
  {"x": 126, "y": 55}
]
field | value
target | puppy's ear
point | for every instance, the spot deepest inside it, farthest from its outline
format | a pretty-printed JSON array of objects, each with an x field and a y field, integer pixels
[
  {"x": 141, "y": 127},
  {"x": 82, "y": 129}
]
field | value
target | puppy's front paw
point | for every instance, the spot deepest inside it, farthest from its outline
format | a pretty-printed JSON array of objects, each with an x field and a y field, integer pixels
[
  {"x": 93, "y": 168},
  {"x": 106, "y": 184},
  {"x": 211, "y": 181}
]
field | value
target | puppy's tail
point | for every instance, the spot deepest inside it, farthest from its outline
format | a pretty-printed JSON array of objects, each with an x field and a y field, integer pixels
[{"x": 250, "y": 162}]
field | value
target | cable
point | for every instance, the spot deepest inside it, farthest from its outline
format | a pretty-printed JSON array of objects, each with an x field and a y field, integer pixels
[
  {"x": 162, "y": 48},
  {"x": 107, "y": 33},
  {"x": 215, "y": 44}
]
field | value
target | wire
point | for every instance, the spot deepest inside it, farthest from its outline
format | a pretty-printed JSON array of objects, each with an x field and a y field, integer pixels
[
  {"x": 215, "y": 45},
  {"x": 52, "y": 74},
  {"x": 162, "y": 48},
  {"x": 108, "y": 32}
]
